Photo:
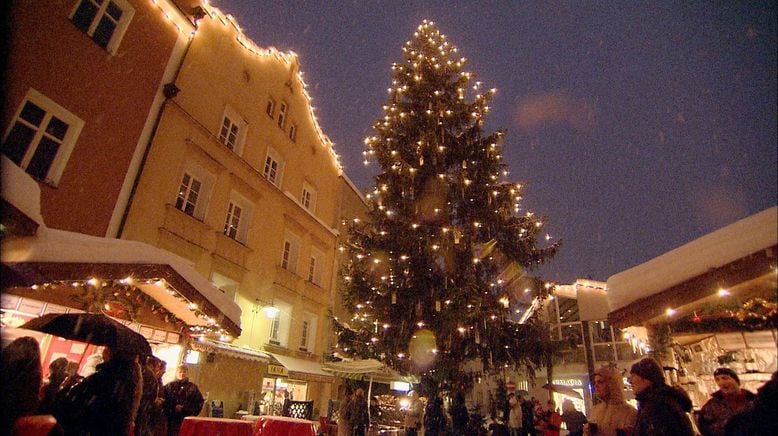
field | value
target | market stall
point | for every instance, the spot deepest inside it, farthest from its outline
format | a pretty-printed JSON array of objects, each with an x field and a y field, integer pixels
[
  {"x": 152, "y": 291},
  {"x": 709, "y": 303}
]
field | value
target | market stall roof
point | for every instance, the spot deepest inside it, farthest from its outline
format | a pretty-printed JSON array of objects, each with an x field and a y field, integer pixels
[
  {"x": 739, "y": 258},
  {"x": 49, "y": 255},
  {"x": 364, "y": 369},
  {"x": 300, "y": 366}
]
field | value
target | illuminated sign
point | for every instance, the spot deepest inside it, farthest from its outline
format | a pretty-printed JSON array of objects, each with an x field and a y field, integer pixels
[{"x": 277, "y": 370}]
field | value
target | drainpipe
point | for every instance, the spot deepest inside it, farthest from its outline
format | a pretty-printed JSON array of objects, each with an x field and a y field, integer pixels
[{"x": 169, "y": 90}]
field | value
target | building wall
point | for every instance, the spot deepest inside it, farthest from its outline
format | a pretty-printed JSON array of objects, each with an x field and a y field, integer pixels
[
  {"x": 111, "y": 92},
  {"x": 221, "y": 77}
]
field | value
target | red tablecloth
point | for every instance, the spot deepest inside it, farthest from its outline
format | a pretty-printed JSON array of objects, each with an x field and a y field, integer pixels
[
  {"x": 284, "y": 426},
  {"x": 195, "y": 426}
]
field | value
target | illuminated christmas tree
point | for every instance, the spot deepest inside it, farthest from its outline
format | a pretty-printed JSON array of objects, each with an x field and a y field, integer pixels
[{"x": 432, "y": 272}]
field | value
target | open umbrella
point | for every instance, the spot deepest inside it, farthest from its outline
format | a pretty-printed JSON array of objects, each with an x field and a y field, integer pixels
[
  {"x": 564, "y": 390},
  {"x": 91, "y": 328}
]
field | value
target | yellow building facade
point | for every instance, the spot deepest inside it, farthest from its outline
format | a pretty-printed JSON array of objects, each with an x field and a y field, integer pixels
[{"x": 240, "y": 180}]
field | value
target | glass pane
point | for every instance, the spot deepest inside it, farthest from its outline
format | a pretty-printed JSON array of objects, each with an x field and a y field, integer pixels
[
  {"x": 573, "y": 333},
  {"x": 84, "y": 15},
  {"x": 604, "y": 353},
  {"x": 601, "y": 332},
  {"x": 18, "y": 141},
  {"x": 43, "y": 158},
  {"x": 114, "y": 11},
  {"x": 104, "y": 31},
  {"x": 624, "y": 351},
  {"x": 568, "y": 310},
  {"x": 57, "y": 128},
  {"x": 32, "y": 114}
]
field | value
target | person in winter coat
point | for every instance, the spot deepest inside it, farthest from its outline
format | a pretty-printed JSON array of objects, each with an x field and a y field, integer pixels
[
  {"x": 435, "y": 418},
  {"x": 528, "y": 417},
  {"x": 357, "y": 413},
  {"x": 662, "y": 409},
  {"x": 724, "y": 403},
  {"x": 574, "y": 420},
  {"x": 612, "y": 412},
  {"x": 21, "y": 381},
  {"x": 459, "y": 414},
  {"x": 412, "y": 420},
  {"x": 57, "y": 375},
  {"x": 344, "y": 423},
  {"x": 182, "y": 399},
  {"x": 759, "y": 418},
  {"x": 106, "y": 402},
  {"x": 514, "y": 415},
  {"x": 148, "y": 397}
]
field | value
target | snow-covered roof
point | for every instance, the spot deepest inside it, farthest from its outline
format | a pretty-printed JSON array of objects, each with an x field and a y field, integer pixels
[
  {"x": 59, "y": 246},
  {"x": 728, "y": 244},
  {"x": 21, "y": 190}
]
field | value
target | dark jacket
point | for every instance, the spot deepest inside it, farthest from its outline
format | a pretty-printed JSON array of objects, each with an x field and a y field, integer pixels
[
  {"x": 434, "y": 418},
  {"x": 662, "y": 410},
  {"x": 356, "y": 414},
  {"x": 103, "y": 403},
  {"x": 185, "y": 393},
  {"x": 716, "y": 412},
  {"x": 759, "y": 418},
  {"x": 146, "y": 407}
]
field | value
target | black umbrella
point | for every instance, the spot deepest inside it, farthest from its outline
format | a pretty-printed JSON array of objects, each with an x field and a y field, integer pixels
[{"x": 91, "y": 328}]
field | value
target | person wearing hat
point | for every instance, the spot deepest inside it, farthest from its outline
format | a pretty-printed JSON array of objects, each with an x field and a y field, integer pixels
[
  {"x": 662, "y": 409},
  {"x": 729, "y": 400}
]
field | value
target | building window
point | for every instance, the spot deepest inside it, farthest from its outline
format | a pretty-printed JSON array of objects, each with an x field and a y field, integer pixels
[
  {"x": 308, "y": 332},
  {"x": 315, "y": 265},
  {"x": 282, "y": 115},
  {"x": 238, "y": 217},
  {"x": 232, "y": 130},
  {"x": 308, "y": 197},
  {"x": 279, "y": 324},
  {"x": 105, "y": 21},
  {"x": 228, "y": 286},
  {"x": 270, "y": 109},
  {"x": 232, "y": 222},
  {"x": 188, "y": 193},
  {"x": 293, "y": 132},
  {"x": 273, "y": 167},
  {"x": 41, "y": 137},
  {"x": 289, "y": 253}
]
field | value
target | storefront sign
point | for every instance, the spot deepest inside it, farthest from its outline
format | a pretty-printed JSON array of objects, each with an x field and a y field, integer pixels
[
  {"x": 277, "y": 370},
  {"x": 569, "y": 382}
]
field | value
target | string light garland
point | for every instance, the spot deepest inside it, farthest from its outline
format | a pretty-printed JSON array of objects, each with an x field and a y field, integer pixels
[{"x": 125, "y": 297}]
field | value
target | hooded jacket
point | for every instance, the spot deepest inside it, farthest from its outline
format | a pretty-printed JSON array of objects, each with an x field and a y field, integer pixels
[
  {"x": 716, "y": 412},
  {"x": 662, "y": 410},
  {"x": 613, "y": 412}
]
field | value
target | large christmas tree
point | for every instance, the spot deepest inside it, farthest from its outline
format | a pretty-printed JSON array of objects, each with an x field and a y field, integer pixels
[{"x": 432, "y": 273}]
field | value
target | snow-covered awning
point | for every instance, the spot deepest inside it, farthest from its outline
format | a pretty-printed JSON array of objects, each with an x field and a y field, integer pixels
[
  {"x": 740, "y": 257},
  {"x": 366, "y": 369},
  {"x": 301, "y": 367},
  {"x": 55, "y": 255}
]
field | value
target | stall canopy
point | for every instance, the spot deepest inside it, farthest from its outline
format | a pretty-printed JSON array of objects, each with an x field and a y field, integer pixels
[
  {"x": 736, "y": 262},
  {"x": 67, "y": 267},
  {"x": 301, "y": 368},
  {"x": 366, "y": 369}
]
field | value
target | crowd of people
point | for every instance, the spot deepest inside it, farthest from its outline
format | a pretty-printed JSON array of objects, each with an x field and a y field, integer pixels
[{"x": 124, "y": 395}]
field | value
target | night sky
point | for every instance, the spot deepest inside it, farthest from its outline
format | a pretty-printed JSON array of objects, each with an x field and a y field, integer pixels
[{"x": 637, "y": 127}]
